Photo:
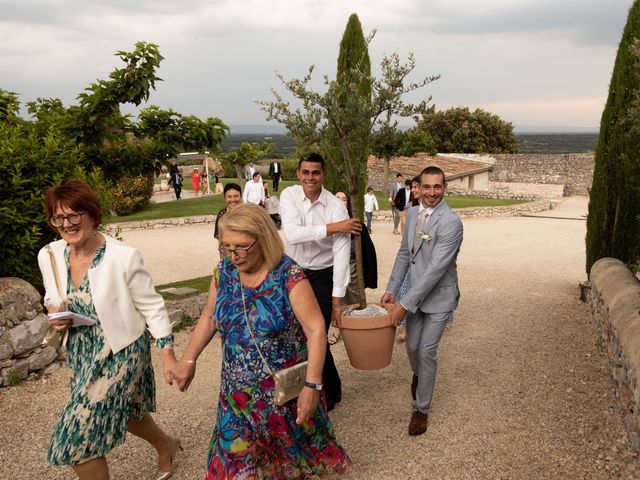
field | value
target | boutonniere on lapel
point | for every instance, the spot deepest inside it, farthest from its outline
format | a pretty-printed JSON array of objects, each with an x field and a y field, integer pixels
[{"x": 426, "y": 237}]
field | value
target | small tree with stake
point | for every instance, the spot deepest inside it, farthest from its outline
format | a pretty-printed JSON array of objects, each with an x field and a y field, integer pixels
[{"x": 341, "y": 120}]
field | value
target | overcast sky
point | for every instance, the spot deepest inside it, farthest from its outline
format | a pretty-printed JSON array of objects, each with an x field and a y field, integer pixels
[{"x": 533, "y": 62}]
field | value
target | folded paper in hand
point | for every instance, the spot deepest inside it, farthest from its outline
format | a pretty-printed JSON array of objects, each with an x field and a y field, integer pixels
[{"x": 78, "y": 320}]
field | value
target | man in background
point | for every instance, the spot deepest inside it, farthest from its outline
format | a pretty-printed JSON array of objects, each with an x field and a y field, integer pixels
[
  {"x": 275, "y": 170},
  {"x": 396, "y": 186}
]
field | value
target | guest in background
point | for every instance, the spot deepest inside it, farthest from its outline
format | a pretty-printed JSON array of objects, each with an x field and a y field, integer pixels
[
  {"x": 275, "y": 170},
  {"x": 249, "y": 170},
  {"x": 195, "y": 181},
  {"x": 370, "y": 204},
  {"x": 403, "y": 203},
  {"x": 175, "y": 178},
  {"x": 268, "y": 318},
  {"x": 396, "y": 186},
  {"x": 112, "y": 379},
  {"x": 369, "y": 268},
  {"x": 272, "y": 206},
  {"x": 416, "y": 194},
  {"x": 254, "y": 191},
  {"x": 232, "y": 196}
]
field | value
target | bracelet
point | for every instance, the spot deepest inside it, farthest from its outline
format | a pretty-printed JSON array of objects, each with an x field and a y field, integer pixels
[{"x": 187, "y": 361}]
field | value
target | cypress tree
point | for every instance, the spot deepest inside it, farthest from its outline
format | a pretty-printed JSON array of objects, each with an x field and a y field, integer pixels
[
  {"x": 613, "y": 224},
  {"x": 351, "y": 116}
]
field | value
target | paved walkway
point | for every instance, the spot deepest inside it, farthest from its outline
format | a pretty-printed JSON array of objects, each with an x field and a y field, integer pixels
[{"x": 523, "y": 391}]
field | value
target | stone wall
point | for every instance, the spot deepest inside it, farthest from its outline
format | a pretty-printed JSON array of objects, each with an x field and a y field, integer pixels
[
  {"x": 574, "y": 170},
  {"x": 22, "y": 328},
  {"x": 615, "y": 308}
]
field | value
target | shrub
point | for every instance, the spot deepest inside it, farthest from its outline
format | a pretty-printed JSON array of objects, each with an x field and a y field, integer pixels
[
  {"x": 289, "y": 167},
  {"x": 32, "y": 164},
  {"x": 132, "y": 194}
]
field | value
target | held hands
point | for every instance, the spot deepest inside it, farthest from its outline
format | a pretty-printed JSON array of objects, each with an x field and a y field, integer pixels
[
  {"x": 307, "y": 404},
  {"x": 183, "y": 372},
  {"x": 168, "y": 364}
]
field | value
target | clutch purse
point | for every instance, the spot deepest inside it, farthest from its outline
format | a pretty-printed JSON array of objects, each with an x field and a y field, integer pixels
[
  {"x": 54, "y": 338},
  {"x": 288, "y": 381}
]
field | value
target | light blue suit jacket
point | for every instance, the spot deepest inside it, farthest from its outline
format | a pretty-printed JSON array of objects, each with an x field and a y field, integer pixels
[{"x": 433, "y": 276}]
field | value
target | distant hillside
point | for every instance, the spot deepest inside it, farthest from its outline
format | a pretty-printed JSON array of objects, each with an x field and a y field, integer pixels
[
  {"x": 528, "y": 142},
  {"x": 557, "y": 142}
]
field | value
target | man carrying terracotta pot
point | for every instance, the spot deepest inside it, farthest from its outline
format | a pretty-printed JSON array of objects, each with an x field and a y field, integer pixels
[
  {"x": 317, "y": 230},
  {"x": 429, "y": 248}
]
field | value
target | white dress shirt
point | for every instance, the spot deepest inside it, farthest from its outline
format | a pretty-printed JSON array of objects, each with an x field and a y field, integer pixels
[
  {"x": 370, "y": 203},
  {"x": 253, "y": 192},
  {"x": 305, "y": 230}
]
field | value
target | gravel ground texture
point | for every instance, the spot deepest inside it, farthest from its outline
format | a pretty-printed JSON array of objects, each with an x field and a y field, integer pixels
[{"x": 523, "y": 390}]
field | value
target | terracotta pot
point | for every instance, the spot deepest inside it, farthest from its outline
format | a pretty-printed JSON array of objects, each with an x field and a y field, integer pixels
[{"x": 368, "y": 340}]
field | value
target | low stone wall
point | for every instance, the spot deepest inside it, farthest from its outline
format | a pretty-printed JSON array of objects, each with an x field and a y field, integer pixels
[
  {"x": 573, "y": 170},
  {"x": 615, "y": 308},
  {"x": 380, "y": 215},
  {"x": 22, "y": 328}
]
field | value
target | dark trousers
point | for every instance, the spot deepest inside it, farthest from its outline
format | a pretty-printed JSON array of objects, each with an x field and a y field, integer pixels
[
  {"x": 276, "y": 181},
  {"x": 322, "y": 285},
  {"x": 177, "y": 188}
]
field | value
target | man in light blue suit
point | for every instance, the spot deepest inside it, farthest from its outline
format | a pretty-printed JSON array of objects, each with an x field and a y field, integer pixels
[{"x": 428, "y": 252}]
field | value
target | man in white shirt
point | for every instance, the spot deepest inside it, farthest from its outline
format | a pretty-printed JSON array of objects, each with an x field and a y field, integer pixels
[
  {"x": 317, "y": 230},
  {"x": 370, "y": 204},
  {"x": 249, "y": 171},
  {"x": 253, "y": 191},
  {"x": 275, "y": 169}
]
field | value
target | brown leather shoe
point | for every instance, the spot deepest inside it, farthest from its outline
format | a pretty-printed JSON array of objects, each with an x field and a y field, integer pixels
[
  {"x": 418, "y": 423},
  {"x": 414, "y": 386}
]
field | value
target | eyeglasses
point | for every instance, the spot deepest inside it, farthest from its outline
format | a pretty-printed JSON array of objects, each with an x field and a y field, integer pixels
[
  {"x": 73, "y": 218},
  {"x": 240, "y": 252}
]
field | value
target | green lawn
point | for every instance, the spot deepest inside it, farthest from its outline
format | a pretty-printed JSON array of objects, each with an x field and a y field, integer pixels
[
  {"x": 211, "y": 204},
  {"x": 201, "y": 284}
]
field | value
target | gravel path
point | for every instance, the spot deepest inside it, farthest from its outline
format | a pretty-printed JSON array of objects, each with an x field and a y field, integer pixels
[{"x": 523, "y": 391}]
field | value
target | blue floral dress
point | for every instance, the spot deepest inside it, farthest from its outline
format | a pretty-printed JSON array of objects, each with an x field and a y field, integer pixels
[
  {"x": 106, "y": 389},
  {"x": 254, "y": 438}
]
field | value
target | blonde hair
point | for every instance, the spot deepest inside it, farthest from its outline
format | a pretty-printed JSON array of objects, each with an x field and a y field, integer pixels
[{"x": 253, "y": 220}]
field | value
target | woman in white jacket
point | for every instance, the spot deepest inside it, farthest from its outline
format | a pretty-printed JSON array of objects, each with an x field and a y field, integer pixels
[{"x": 112, "y": 378}]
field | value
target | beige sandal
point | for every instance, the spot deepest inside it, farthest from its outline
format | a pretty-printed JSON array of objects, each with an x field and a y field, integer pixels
[{"x": 334, "y": 335}]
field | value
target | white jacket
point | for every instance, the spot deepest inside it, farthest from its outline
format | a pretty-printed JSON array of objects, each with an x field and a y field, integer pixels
[{"x": 122, "y": 290}]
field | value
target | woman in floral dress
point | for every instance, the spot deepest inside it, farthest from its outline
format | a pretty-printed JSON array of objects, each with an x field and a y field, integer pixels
[
  {"x": 258, "y": 290},
  {"x": 112, "y": 379}
]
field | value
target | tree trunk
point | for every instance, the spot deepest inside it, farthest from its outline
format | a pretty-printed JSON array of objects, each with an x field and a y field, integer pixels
[
  {"x": 239, "y": 172},
  {"x": 386, "y": 181},
  {"x": 362, "y": 296}
]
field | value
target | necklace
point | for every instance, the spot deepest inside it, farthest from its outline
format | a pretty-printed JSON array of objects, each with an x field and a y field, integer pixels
[{"x": 252, "y": 280}]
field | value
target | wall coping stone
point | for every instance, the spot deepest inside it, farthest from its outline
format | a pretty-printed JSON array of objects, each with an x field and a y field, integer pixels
[{"x": 615, "y": 309}]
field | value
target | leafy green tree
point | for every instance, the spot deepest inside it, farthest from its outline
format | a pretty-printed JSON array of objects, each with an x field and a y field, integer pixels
[
  {"x": 169, "y": 133},
  {"x": 613, "y": 227},
  {"x": 462, "y": 131},
  {"x": 245, "y": 153},
  {"x": 323, "y": 120},
  {"x": 388, "y": 141}
]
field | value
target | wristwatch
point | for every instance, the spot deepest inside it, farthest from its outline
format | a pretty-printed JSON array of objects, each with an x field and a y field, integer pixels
[{"x": 315, "y": 386}]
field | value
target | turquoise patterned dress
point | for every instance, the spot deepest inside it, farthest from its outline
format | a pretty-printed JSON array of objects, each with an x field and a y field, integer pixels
[
  {"x": 106, "y": 389},
  {"x": 254, "y": 438}
]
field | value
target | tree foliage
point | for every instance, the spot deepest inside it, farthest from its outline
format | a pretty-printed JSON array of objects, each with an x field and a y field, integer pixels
[
  {"x": 389, "y": 141},
  {"x": 461, "y": 131},
  {"x": 613, "y": 226},
  {"x": 245, "y": 153},
  {"x": 91, "y": 140}
]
